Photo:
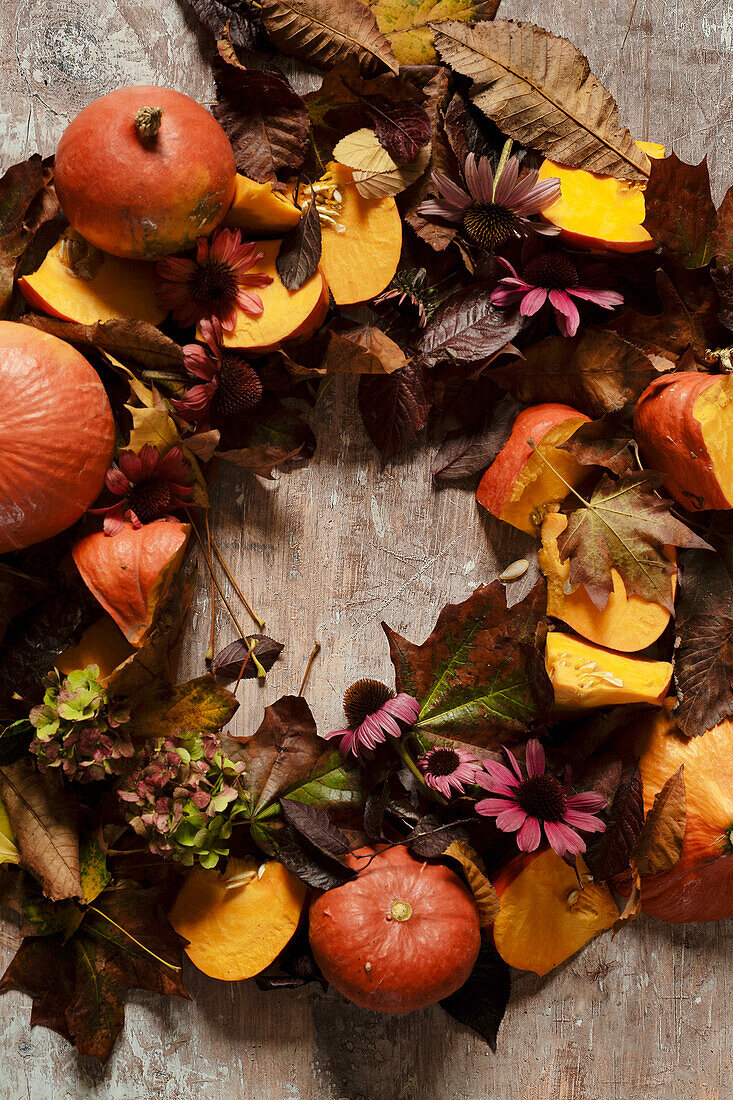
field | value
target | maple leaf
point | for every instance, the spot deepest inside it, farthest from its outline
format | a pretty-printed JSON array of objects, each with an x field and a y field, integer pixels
[
  {"x": 625, "y": 526},
  {"x": 703, "y": 664},
  {"x": 182, "y": 710},
  {"x": 481, "y": 673},
  {"x": 605, "y": 442},
  {"x": 79, "y": 985},
  {"x": 679, "y": 210}
]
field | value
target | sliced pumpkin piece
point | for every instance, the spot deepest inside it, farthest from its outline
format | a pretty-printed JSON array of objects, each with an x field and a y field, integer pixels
[
  {"x": 528, "y": 477},
  {"x": 600, "y": 211},
  {"x": 287, "y": 314},
  {"x": 130, "y": 573},
  {"x": 260, "y": 210},
  {"x": 116, "y": 288},
  {"x": 545, "y": 916},
  {"x": 361, "y": 247},
  {"x": 626, "y": 623},
  {"x": 238, "y": 922},
  {"x": 102, "y": 644},
  {"x": 585, "y": 675}
]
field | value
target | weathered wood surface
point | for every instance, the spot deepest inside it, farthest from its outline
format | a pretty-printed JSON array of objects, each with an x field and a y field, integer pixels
[{"x": 329, "y": 551}]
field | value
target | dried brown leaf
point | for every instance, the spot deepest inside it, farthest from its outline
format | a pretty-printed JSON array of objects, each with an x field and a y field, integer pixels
[{"x": 326, "y": 33}]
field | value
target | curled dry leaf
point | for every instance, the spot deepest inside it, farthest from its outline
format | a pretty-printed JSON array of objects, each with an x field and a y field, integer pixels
[
  {"x": 227, "y": 664},
  {"x": 595, "y": 372},
  {"x": 273, "y": 436},
  {"x": 485, "y": 896},
  {"x": 18, "y": 188},
  {"x": 265, "y": 120},
  {"x": 241, "y": 23},
  {"x": 605, "y": 442},
  {"x": 539, "y": 90},
  {"x": 364, "y": 350},
  {"x": 679, "y": 209},
  {"x": 608, "y": 854},
  {"x": 430, "y": 230},
  {"x": 481, "y": 1003},
  {"x": 467, "y": 452},
  {"x": 134, "y": 342},
  {"x": 181, "y": 710},
  {"x": 326, "y": 34},
  {"x": 381, "y": 185},
  {"x": 625, "y": 526},
  {"x": 44, "y": 819},
  {"x": 659, "y": 844}
]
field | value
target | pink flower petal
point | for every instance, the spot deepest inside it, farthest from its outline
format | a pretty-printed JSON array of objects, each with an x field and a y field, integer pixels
[
  {"x": 501, "y": 773},
  {"x": 479, "y": 178},
  {"x": 608, "y": 299},
  {"x": 503, "y": 296},
  {"x": 587, "y": 823},
  {"x": 533, "y": 302},
  {"x": 566, "y": 307},
  {"x": 490, "y": 807},
  {"x": 563, "y": 839},
  {"x": 506, "y": 184},
  {"x": 434, "y": 208},
  {"x": 512, "y": 819},
  {"x": 116, "y": 482},
  {"x": 403, "y": 706},
  {"x": 587, "y": 800},
  {"x": 175, "y": 269},
  {"x": 529, "y": 836},
  {"x": 248, "y": 303},
  {"x": 458, "y": 199},
  {"x": 535, "y": 758}
]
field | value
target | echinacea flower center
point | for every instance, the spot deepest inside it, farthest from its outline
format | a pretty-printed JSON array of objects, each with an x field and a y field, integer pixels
[
  {"x": 489, "y": 225},
  {"x": 443, "y": 762},
  {"x": 543, "y": 797},
  {"x": 239, "y": 388},
  {"x": 364, "y": 698},
  {"x": 213, "y": 282},
  {"x": 551, "y": 271},
  {"x": 149, "y": 500}
]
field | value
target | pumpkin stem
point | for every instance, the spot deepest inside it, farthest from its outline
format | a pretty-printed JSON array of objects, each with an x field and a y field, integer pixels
[
  {"x": 147, "y": 122},
  {"x": 401, "y": 910}
]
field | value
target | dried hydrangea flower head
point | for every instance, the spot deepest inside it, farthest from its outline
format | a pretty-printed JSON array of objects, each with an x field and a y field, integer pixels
[
  {"x": 78, "y": 729},
  {"x": 373, "y": 711},
  {"x": 184, "y": 797},
  {"x": 537, "y": 802},
  {"x": 492, "y": 210},
  {"x": 216, "y": 284}
]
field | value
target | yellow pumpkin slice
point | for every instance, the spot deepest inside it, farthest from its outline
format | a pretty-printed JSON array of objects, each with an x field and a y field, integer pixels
[
  {"x": 238, "y": 922},
  {"x": 102, "y": 644},
  {"x": 626, "y": 623},
  {"x": 585, "y": 675},
  {"x": 258, "y": 209},
  {"x": 545, "y": 916},
  {"x": 117, "y": 288},
  {"x": 286, "y": 313}
]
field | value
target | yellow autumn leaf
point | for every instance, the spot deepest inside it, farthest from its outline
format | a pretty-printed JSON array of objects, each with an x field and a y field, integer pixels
[
  {"x": 361, "y": 149},
  {"x": 8, "y": 851},
  {"x": 485, "y": 896},
  {"x": 155, "y": 426},
  {"x": 381, "y": 185},
  {"x": 406, "y": 23}
]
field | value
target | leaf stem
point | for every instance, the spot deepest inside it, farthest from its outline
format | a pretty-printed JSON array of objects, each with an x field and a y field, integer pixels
[
  {"x": 547, "y": 462},
  {"x": 260, "y": 622},
  {"x": 171, "y": 966},
  {"x": 212, "y": 634},
  {"x": 314, "y": 653},
  {"x": 210, "y": 567}
]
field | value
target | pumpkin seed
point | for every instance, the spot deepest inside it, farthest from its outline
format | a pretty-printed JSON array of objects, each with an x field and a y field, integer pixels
[{"x": 516, "y": 570}]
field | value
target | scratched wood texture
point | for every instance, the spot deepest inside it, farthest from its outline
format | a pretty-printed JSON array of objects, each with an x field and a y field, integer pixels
[{"x": 326, "y": 553}]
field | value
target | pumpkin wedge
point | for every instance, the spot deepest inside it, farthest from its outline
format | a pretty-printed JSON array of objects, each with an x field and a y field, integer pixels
[
  {"x": 546, "y": 915},
  {"x": 102, "y": 644},
  {"x": 116, "y": 288},
  {"x": 239, "y": 922},
  {"x": 261, "y": 211},
  {"x": 585, "y": 675}
]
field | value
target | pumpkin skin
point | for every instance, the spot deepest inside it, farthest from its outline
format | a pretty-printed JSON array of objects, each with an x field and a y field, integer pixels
[
  {"x": 680, "y": 422},
  {"x": 377, "y": 955},
  {"x": 57, "y": 435},
  {"x": 700, "y": 886},
  {"x": 130, "y": 573},
  {"x": 518, "y": 485},
  {"x": 140, "y": 197}
]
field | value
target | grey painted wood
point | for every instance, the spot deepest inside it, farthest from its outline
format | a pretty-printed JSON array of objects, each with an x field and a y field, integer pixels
[{"x": 326, "y": 553}]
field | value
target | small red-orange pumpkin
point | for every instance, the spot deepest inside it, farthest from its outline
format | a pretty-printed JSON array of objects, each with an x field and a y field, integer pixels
[
  {"x": 130, "y": 573},
  {"x": 56, "y": 436},
  {"x": 141, "y": 192},
  {"x": 400, "y": 936}
]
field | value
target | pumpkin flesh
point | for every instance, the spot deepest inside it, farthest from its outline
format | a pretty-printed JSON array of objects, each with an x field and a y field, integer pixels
[
  {"x": 585, "y": 675},
  {"x": 56, "y": 436},
  {"x": 400, "y": 936},
  {"x": 261, "y": 211}
]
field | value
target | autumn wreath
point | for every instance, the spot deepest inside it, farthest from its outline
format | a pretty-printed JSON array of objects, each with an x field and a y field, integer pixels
[{"x": 456, "y": 214}]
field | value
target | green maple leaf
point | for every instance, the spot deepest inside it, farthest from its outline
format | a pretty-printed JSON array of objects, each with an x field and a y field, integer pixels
[{"x": 625, "y": 526}]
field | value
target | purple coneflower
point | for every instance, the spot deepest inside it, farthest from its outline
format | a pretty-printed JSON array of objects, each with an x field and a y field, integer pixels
[
  {"x": 447, "y": 770},
  {"x": 528, "y": 805},
  {"x": 551, "y": 275},
  {"x": 373, "y": 711},
  {"x": 492, "y": 211},
  {"x": 214, "y": 284},
  {"x": 230, "y": 385},
  {"x": 151, "y": 486}
]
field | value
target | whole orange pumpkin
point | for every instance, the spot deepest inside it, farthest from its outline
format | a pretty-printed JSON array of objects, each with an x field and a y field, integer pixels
[
  {"x": 400, "y": 936},
  {"x": 56, "y": 436},
  {"x": 145, "y": 171}
]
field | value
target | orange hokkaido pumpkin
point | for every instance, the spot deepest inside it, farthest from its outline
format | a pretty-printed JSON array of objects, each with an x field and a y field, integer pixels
[
  {"x": 130, "y": 573},
  {"x": 142, "y": 172},
  {"x": 684, "y": 426},
  {"x": 400, "y": 936},
  {"x": 56, "y": 436}
]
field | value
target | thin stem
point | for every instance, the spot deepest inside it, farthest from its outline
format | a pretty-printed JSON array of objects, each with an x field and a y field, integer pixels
[
  {"x": 129, "y": 935},
  {"x": 251, "y": 646},
  {"x": 212, "y": 634},
  {"x": 314, "y": 653},
  {"x": 260, "y": 622},
  {"x": 210, "y": 567},
  {"x": 503, "y": 160},
  {"x": 628, "y": 25}
]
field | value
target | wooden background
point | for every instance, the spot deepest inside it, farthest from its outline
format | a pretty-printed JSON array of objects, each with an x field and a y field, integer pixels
[{"x": 326, "y": 553}]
